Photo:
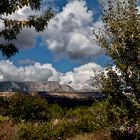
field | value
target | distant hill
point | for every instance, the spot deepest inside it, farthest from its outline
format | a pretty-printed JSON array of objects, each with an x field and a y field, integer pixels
[{"x": 38, "y": 86}]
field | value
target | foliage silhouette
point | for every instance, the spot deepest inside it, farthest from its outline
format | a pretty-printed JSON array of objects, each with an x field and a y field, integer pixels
[{"x": 13, "y": 27}]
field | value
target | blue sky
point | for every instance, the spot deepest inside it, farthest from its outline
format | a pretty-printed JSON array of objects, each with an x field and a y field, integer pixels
[{"x": 65, "y": 52}]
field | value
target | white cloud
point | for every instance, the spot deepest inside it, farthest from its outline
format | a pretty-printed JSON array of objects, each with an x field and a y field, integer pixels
[
  {"x": 138, "y": 7},
  {"x": 70, "y": 32},
  {"x": 1, "y": 25},
  {"x": 79, "y": 78}
]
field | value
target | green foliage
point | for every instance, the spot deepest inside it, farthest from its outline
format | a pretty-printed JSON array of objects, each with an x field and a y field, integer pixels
[
  {"x": 8, "y": 49},
  {"x": 91, "y": 119},
  {"x": 14, "y": 27},
  {"x": 4, "y": 103},
  {"x": 56, "y": 111},
  {"x": 76, "y": 112},
  {"x": 28, "y": 108},
  {"x": 35, "y": 119},
  {"x": 2, "y": 118},
  {"x": 30, "y": 132},
  {"x": 9, "y": 7},
  {"x": 88, "y": 119},
  {"x": 40, "y": 22},
  {"x": 121, "y": 41}
]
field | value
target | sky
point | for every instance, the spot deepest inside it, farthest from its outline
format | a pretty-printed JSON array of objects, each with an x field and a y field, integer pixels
[{"x": 65, "y": 52}]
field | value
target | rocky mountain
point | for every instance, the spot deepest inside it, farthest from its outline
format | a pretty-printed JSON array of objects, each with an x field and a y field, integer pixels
[{"x": 37, "y": 86}]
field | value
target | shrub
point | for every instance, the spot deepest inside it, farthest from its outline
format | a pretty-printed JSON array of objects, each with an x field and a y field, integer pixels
[
  {"x": 4, "y": 104},
  {"x": 28, "y": 108},
  {"x": 31, "y": 131},
  {"x": 56, "y": 111}
]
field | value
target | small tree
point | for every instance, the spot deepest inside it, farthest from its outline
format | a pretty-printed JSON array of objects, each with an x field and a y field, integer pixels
[
  {"x": 121, "y": 41},
  {"x": 13, "y": 27}
]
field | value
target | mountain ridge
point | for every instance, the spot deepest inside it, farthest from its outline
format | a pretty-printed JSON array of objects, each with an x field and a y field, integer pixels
[{"x": 34, "y": 86}]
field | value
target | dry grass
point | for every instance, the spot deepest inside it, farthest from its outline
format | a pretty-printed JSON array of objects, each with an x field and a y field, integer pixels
[
  {"x": 99, "y": 135},
  {"x": 8, "y": 130}
]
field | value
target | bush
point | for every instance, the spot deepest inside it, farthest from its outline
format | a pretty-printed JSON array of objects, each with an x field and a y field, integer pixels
[
  {"x": 28, "y": 108},
  {"x": 30, "y": 131},
  {"x": 56, "y": 111},
  {"x": 76, "y": 112},
  {"x": 43, "y": 131}
]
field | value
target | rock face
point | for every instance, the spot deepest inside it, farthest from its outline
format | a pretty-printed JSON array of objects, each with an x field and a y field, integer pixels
[{"x": 11, "y": 86}]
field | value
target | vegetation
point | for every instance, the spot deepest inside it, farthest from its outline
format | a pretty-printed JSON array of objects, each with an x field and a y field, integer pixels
[
  {"x": 29, "y": 117},
  {"x": 28, "y": 108},
  {"x": 14, "y": 27},
  {"x": 121, "y": 41}
]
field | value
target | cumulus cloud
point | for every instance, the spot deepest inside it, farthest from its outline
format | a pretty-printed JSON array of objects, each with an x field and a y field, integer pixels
[
  {"x": 79, "y": 78},
  {"x": 70, "y": 32},
  {"x": 25, "y": 40}
]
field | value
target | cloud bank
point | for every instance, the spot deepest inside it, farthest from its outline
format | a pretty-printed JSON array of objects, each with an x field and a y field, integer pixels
[
  {"x": 9, "y": 72},
  {"x": 79, "y": 78}
]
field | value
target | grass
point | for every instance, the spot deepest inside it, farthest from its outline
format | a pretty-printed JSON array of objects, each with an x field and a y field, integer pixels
[{"x": 99, "y": 135}]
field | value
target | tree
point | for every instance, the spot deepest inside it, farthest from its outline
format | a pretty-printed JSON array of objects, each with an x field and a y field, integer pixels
[
  {"x": 121, "y": 41},
  {"x": 14, "y": 27}
]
